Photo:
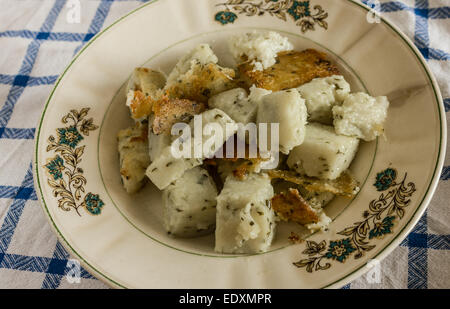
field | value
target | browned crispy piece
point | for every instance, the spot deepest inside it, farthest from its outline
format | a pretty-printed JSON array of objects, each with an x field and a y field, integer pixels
[
  {"x": 292, "y": 69},
  {"x": 241, "y": 167},
  {"x": 246, "y": 167},
  {"x": 145, "y": 85},
  {"x": 291, "y": 206},
  {"x": 344, "y": 185},
  {"x": 141, "y": 105},
  {"x": 202, "y": 82},
  {"x": 138, "y": 138},
  {"x": 167, "y": 112},
  {"x": 210, "y": 162}
]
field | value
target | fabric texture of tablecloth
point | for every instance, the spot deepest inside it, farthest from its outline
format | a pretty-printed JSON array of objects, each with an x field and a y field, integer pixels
[{"x": 37, "y": 42}]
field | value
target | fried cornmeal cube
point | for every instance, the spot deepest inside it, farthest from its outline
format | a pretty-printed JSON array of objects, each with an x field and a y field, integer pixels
[
  {"x": 361, "y": 116},
  {"x": 202, "y": 82},
  {"x": 146, "y": 80},
  {"x": 323, "y": 154},
  {"x": 292, "y": 69},
  {"x": 245, "y": 221},
  {"x": 321, "y": 94},
  {"x": 157, "y": 143},
  {"x": 190, "y": 204},
  {"x": 197, "y": 76},
  {"x": 240, "y": 107},
  {"x": 170, "y": 165},
  {"x": 143, "y": 88},
  {"x": 133, "y": 156},
  {"x": 287, "y": 109}
]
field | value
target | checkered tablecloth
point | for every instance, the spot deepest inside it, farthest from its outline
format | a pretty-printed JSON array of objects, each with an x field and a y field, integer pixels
[{"x": 37, "y": 41}]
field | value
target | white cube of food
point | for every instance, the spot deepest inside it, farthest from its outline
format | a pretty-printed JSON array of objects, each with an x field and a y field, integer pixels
[
  {"x": 166, "y": 168},
  {"x": 240, "y": 107},
  {"x": 321, "y": 94},
  {"x": 146, "y": 80},
  {"x": 231, "y": 102},
  {"x": 202, "y": 54},
  {"x": 260, "y": 48},
  {"x": 139, "y": 104},
  {"x": 245, "y": 221},
  {"x": 157, "y": 143},
  {"x": 323, "y": 154},
  {"x": 190, "y": 204},
  {"x": 133, "y": 156},
  {"x": 289, "y": 110},
  {"x": 202, "y": 82},
  {"x": 361, "y": 115},
  {"x": 341, "y": 87}
]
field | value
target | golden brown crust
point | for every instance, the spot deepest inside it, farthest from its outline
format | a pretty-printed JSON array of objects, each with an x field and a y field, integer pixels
[
  {"x": 246, "y": 168},
  {"x": 243, "y": 167},
  {"x": 292, "y": 69},
  {"x": 291, "y": 206},
  {"x": 143, "y": 129},
  {"x": 141, "y": 105},
  {"x": 202, "y": 83},
  {"x": 345, "y": 185},
  {"x": 170, "y": 111},
  {"x": 145, "y": 90}
]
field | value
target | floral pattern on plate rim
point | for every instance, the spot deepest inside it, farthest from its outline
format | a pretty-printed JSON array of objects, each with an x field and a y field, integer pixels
[
  {"x": 64, "y": 173},
  {"x": 377, "y": 221},
  {"x": 299, "y": 11}
]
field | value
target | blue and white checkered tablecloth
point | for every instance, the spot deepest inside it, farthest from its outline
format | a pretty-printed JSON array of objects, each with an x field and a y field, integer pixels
[{"x": 37, "y": 42}]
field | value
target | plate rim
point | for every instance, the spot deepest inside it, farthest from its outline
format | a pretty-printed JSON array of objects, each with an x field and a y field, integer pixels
[{"x": 386, "y": 250}]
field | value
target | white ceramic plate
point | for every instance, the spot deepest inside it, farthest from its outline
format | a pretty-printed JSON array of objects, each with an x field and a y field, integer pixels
[{"x": 120, "y": 239}]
